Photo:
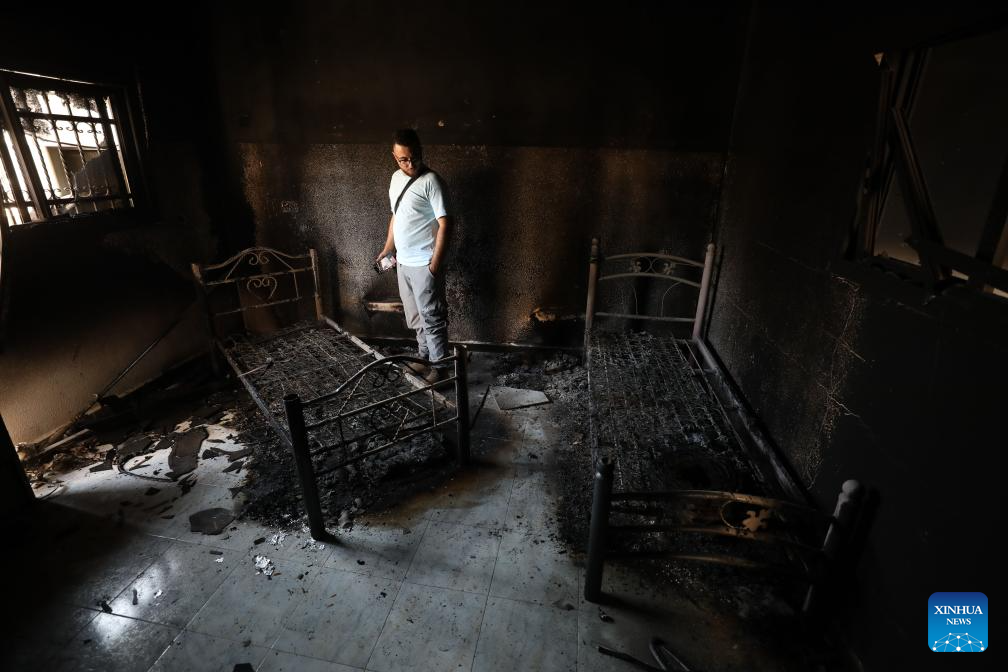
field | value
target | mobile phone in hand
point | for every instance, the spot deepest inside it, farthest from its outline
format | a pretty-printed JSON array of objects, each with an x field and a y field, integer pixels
[{"x": 385, "y": 263}]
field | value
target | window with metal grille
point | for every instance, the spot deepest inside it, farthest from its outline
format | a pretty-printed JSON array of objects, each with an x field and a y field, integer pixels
[
  {"x": 65, "y": 149},
  {"x": 935, "y": 197}
]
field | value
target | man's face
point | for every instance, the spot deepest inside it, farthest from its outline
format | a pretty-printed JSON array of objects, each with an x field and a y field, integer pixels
[{"x": 404, "y": 157}]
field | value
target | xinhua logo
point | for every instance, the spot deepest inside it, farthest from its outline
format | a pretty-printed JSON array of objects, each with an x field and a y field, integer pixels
[{"x": 957, "y": 622}]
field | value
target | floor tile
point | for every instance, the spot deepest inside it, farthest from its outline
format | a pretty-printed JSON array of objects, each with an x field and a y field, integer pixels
[
  {"x": 378, "y": 549},
  {"x": 111, "y": 643},
  {"x": 496, "y": 424},
  {"x": 279, "y": 661},
  {"x": 499, "y": 452},
  {"x": 210, "y": 470},
  {"x": 705, "y": 633},
  {"x": 531, "y": 507},
  {"x": 100, "y": 568},
  {"x": 102, "y": 493},
  {"x": 542, "y": 442},
  {"x": 28, "y": 655},
  {"x": 36, "y": 627},
  {"x": 460, "y": 557},
  {"x": 195, "y": 652},
  {"x": 477, "y": 497},
  {"x": 158, "y": 513},
  {"x": 522, "y": 636},
  {"x": 250, "y": 605},
  {"x": 177, "y": 584},
  {"x": 531, "y": 568},
  {"x": 296, "y": 546},
  {"x": 430, "y": 629},
  {"x": 340, "y": 619}
]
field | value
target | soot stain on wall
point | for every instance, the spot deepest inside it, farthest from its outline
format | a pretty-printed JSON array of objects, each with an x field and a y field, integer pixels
[{"x": 525, "y": 218}]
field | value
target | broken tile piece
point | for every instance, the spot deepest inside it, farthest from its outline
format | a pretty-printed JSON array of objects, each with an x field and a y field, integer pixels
[
  {"x": 210, "y": 521},
  {"x": 185, "y": 453},
  {"x": 235, "y": 466},
  {"x": 509, "y": 398}
]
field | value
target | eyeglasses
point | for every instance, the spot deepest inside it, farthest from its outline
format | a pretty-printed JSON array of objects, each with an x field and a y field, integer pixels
[{"x": 406, "y": 161}]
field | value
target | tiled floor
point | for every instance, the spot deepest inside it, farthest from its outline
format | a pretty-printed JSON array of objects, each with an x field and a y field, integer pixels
[{"x": 468, "y": 577}]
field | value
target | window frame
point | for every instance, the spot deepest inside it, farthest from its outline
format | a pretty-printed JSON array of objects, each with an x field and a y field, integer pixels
[
  {"x": 21, "y": 158},
  {"x": 894, "y": 157}
]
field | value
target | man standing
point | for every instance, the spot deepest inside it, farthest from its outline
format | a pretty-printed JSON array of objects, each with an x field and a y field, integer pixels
[{"x": 418, "y": 234}]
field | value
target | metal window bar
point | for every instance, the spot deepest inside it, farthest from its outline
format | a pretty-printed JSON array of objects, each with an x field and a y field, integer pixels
[
  {"x": 80, "y": 152},
  {"x": 37, "y": 156},
  {"x": 20, "y": 151},
  {"x": 15, "y": 192},
  {"x": 99, "y": 115},
  {"x": 112, "y": 144},
  {"x": 71, "y": 183}
]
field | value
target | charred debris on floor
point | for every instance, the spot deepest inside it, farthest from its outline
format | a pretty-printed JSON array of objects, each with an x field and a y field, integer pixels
[{"x": 126, "y": 434}]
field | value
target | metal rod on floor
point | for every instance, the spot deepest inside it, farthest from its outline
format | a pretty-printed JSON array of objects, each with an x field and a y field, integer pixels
[
  {"x": 593, "y": 263},
  {"x": 462, "y": 405},
  {"x": 302, "y": 460},
  {"x": 472, "y": 422},
  {"x": 105, "y": 390},
  {"x": 601, "y": 503}
]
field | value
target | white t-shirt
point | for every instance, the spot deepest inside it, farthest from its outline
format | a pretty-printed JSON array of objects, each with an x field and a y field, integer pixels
[{"x": 415, "y": 224}]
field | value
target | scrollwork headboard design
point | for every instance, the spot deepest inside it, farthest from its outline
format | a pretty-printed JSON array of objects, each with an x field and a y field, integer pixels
[
  {"x": 255, "y": 279},
  {"x": 676, "y": 271}
]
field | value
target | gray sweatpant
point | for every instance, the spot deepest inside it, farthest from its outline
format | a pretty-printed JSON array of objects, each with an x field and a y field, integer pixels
[{"x": 423, "y": 299}]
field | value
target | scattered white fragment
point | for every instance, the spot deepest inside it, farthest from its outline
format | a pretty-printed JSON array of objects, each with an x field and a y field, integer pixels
[
  {"x": 264, "y": 565},
  {"x": 278, "y": 538},
  {"x": 158, "y": 594},
  {"x": 220, "y": 559},
  {"x": 311, "y": 545}
]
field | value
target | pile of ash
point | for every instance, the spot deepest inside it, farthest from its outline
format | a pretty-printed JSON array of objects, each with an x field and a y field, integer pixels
[{"x": 372, "y": 485}]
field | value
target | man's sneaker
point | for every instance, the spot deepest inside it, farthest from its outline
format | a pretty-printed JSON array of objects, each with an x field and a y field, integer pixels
[
  {"x": 434, "y": 375},
  {"x": 418, "y": 368}
]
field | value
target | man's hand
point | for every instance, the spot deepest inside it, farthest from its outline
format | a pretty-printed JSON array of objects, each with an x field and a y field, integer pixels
[{"x": 432, "y": 268}]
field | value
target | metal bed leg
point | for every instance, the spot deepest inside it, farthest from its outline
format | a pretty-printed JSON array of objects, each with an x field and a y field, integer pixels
[
  {"x": 461, "y": 405},
  {"x": 601, "y": 502},
  {"x": 845, "y": 514},
  {"x": 302, "y": 460}
]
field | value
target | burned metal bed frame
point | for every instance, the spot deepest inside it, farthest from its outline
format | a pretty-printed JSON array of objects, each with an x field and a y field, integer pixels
[
  {"x": 330, "y": 397},
  {"x": 659, "y": 435}
]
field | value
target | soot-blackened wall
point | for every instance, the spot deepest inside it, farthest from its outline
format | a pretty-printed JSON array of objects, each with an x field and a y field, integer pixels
[
  {"x": 855, "y": 374},
  {"x": 551, "y": 123}
]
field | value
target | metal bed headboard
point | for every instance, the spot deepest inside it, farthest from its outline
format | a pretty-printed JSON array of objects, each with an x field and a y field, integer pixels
[
  {"x": 658, "y": 266},
  {"x": 255, "y": 279}
]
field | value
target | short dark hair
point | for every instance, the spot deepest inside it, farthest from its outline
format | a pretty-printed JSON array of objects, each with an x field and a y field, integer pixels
[{"x": 407, "y": 137}]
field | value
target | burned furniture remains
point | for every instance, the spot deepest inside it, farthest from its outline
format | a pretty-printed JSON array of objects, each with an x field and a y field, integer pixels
[
  {"x": 331, "y": 398},
  {"x": 672, "y": 478}
]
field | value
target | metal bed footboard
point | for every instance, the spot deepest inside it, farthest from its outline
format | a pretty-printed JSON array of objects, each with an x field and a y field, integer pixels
[
  {"x": 387, "y": 422},
  {"x": 656, "y": 426},
  {"x": 330, "y": 397}
]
